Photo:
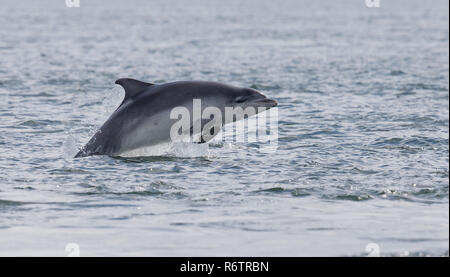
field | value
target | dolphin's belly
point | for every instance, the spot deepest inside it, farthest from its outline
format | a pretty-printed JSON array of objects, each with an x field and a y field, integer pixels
[{"x": 146, "y": 131}]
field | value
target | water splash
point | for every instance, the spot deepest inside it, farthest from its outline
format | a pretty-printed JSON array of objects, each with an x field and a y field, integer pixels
[
  {"x": 112, "y": 97},
  {"x": 69, "y": 147},
  {"x": 189, "y": 150},
  {"x": 177, "y": 149}
]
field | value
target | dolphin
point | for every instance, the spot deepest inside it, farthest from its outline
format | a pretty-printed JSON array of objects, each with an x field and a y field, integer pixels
[{"x": 144, "y": 116}]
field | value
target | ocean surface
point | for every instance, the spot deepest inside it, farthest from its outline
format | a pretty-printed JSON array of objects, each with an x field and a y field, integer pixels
[{"x": 361, "y": 166}]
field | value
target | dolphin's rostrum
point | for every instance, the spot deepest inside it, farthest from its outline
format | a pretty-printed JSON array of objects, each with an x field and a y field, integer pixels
[{"x": 144, "y": 116}]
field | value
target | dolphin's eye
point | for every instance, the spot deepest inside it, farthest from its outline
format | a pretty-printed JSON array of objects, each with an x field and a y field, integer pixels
[{"x": 240, "y": 99}]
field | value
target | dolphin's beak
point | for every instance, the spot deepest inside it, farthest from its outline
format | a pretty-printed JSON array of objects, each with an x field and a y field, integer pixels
[{"x": 265, "y": 102}]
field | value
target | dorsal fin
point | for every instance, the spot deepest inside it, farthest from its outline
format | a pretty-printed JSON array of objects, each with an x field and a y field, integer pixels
[{"x": 132, "y": 87}]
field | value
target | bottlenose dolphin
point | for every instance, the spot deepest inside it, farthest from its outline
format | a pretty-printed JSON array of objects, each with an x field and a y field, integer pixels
[{"x": 144, "y": 116}]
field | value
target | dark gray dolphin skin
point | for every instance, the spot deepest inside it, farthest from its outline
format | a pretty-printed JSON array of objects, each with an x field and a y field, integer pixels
[{"x": 143, "y": 117}]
